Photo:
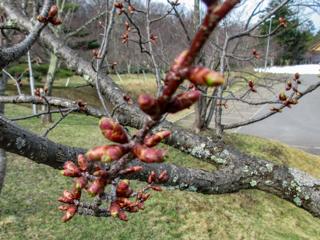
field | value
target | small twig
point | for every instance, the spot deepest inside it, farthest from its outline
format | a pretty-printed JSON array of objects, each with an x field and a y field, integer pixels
[{"x": 57, "y": 122}]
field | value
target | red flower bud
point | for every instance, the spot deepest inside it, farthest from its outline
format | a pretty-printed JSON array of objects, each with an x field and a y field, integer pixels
[
  {"x": 289, "y": 86},
  {"x": 55, "y": 21},
  {"x": 122, "y": 215},
  {"x": 143, "y": 197},
  {"x": 53, "y": 11},
  {"x": 153, "y": 140},
  {"x": 81, "y": 182},
  {"x": 70, "y": 212},
  {"x": 148, "y": 155},
  {"x": 113, "y": 130},
  {"x": 183, "y": 101},
  {"x": 123, "y": 189},
  {"x": 149, "y": 105},
  {"x": 97, "y": 186},
  {"x": 70, "y": 170},
  {"x": 131, "y": 9},
  {"x": 282, "y": 96},
  {"x": 106, "y": 153},
  {"x": 252, "y": 86},
  {"x": 68, "y": 197},
  {"x": 82, "y": 162},
  {"x": 114, "y": 209},
  {"x": 152, "y": 177},
  {"x": 163, "y": 177},
  {"x": 156, "y": 188},
  {"x": 65, "y": 200},
  {"x": 205, "y": 76},
  {"x": 296, "y": 76}
]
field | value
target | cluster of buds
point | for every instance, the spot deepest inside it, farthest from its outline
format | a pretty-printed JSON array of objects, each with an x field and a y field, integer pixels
[
  {"x": 288, "y": 101},
  {"x": 125, "y": 37},
  {"x": 96, "y": 53},
  {"x": 283, "y": 22},
  {"x": 82, "y": 106},
  {"x": 52, "y": 16},
  {"x": 93, "y": 173},
  {"x": 40, "y": 92},
  {"x": 255, "y": 53},
  {"x": 121, "y": 8},
  {"x": 252, "y": 86}
]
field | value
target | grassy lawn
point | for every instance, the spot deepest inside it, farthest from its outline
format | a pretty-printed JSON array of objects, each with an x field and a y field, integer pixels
[{"x": 28, "y": 203}]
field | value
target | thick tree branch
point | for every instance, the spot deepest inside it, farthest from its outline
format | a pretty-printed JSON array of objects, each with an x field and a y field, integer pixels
[
  {"x": 244, "y": 172},
  {"x": 13, "y": 53}
]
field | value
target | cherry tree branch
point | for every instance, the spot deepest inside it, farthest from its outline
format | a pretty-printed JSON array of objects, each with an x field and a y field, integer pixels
[{"x": 10, "y": 54}]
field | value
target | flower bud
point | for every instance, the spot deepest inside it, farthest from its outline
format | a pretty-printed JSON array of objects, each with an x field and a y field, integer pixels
[
  {"x": 53, "y": 11},
  {"x": 282, "y": 96},
  {"x": 156, "y": 188},
  {"x": 288, "y": 86},
  {"x": 153, "y": 140},
  {"x": 106, "y": 153},
  {"x": 183, "y": 101},
  {"x": 143, "y": 197},
  {"x": 149, "y": 105},
  {"x": 123, "y": 189},
  {"x": 252, "y": 86},
  {"x": 113, "y": 130},
  {"x": 164, "y": 176},
  {"x": 114, "y": 209},
  {"x": 205, "y": 76},
  {"x": 68, "y": 197},
  {"x": 122, "y": 216},
  {"x": 70, "y": 212},
  {"x": 97, "y": 187},
  {"x": 70, "y": 169},
  {"x": 152, "y": 177},
  {"x": 55, "y": 21},
  {"x": 81, "y": 182},
  {"x": 148, "y": 155},
  {"x": 82, "y": 162}
]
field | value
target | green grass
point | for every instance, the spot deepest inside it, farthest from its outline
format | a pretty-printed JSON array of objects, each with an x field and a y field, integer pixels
[{"x": 28, "y": 205}]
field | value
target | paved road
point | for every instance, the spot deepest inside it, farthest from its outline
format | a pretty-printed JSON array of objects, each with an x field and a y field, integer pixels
[{"x": 299, "y": 126}]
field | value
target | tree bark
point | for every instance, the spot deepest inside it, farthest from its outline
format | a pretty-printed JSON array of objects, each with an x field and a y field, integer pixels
[
  {"x": 242, "y": 173},
  {"x": 53, "y": 65},
  {"x": 3, "y": 159}
]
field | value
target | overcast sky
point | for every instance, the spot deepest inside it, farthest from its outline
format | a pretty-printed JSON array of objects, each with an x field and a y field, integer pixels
[{"x": 249, "y": 7}]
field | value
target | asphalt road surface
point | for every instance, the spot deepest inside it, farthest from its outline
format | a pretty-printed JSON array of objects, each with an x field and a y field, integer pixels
[{"x": 298, "y": 126}]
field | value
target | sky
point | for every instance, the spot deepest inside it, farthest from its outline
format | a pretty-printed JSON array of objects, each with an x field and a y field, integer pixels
[{"x": 249, "y": 7}]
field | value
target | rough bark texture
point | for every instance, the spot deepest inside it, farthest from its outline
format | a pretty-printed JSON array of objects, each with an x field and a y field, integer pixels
[
  {"x": 243, "y": 173},
  {"x": 13, "y": 53},
  {"x": 3, "y": 160}
]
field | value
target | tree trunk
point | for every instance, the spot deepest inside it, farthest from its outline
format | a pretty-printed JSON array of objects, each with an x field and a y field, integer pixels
[
  {"x": 3, "y": 160},
  {"x": 49, "y": 84}
]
